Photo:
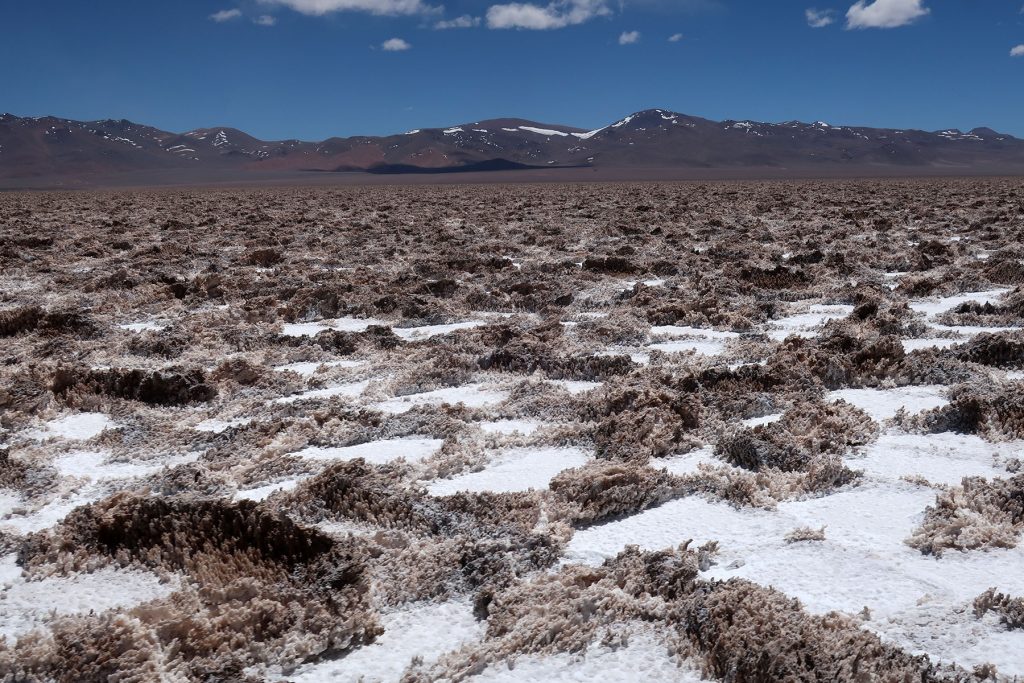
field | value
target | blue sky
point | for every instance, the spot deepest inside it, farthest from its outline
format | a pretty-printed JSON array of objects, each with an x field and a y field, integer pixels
[{"x": 315, "y": 68}]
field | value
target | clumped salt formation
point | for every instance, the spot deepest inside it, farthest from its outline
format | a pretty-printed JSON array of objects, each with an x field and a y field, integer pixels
[
  {"x": 980, "y": 513},
  {"x": 730, "y": 629},
  {"x": 411, "y": 434},
  {"x": 1009, "y": 609},
  {"x": 262, "y": 589}
]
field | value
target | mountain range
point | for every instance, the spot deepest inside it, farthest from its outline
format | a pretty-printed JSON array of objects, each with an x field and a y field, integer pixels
[{"x": 50, "y": 151}]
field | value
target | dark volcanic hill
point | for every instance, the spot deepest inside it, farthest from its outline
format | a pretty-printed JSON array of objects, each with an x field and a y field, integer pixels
[{"x": 78, "y": 152}]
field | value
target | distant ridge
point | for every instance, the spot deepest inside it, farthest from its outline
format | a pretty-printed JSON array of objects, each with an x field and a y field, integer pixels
[{"x": 80, "y": 152}]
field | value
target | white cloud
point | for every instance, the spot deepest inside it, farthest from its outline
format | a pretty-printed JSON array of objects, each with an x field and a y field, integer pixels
[
  {"x": 378, "y": 7},
  {"x": 395, "y": 45},
  {"x": 265, "y": 20},
  {"x": 465, "y": 21},
  {"x": 885, "y": 13},
  {"x": 1017, "y": 51},
  {"x": 820, "y": 18},
  {"x": 225, "y": 15},
  {"x": 675, "y": 37},
  {"x": 629, "y": 38},
  {"x": 558, "y": 14}
]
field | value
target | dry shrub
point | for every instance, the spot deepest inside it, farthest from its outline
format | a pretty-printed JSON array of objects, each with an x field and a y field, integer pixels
[
  {"x": 1009, "y": 609},
  {"x": 601, "y": 490},
  {"x": 156, "y": 387},
  {"x": 978, "y": 514}
]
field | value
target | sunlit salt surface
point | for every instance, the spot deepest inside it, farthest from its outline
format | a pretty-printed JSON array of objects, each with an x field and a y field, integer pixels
[
  {"x": 882, "y": 404},
  {"x": 524, "y": 427},
  {"x": 687, "y": 463},
  {"x": 517, "y": 469},
  {"x": 575, "y": 387},
  {"x": 686, "y": 331},
  {"x": 910, "y": 345},
  {"x": 630, "y": 284},
  {"x": 939, "y": 458},
  {"x": 77, "y": 427},
  {"x": 422, "y": 631},
  {"x": 22, "y": 521},
  {"x": 8, "y": 501},
  {"x": 704, "y": 347},
  {"x": 347, "y": 390},
  {"x": 260, "y": 493},
  {"x": 683, "y": 339},
  {"x": 26, "y": 605},
  {"x": 338, "y": 324},
  {"x": 763, "y": 420},
  {"x": 470, "y": 395},
  {"x": 807, "y": 324},
  {"x": 143, "y": 327},
  {"x": 411, "y": 449},
  {"x": 216, "y": 426},
  {"x": 310, "y": 368},
  {"x": 973, "y": 330},
  {"x": 913, "y": 599},
  {"x": 643, "y": 659},
  {"x": 936, "y": 305},
  {"x": 427, "y": 331},
  {"x": 97, "y": 465}
]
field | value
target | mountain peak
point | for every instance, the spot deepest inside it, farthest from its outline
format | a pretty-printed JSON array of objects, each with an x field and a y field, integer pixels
[{"x": 651, "y": 139}]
